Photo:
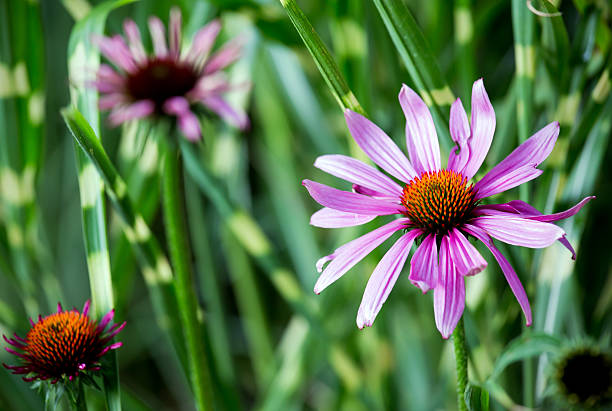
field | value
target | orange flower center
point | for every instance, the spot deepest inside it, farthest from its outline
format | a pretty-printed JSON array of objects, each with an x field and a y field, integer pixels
[
  {"x": 63, "y": 342},
  {"x": 438, "y": 200}
]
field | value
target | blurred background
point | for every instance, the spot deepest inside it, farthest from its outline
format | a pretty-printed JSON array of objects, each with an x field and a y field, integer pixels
[{"x": 265, "y": 352}]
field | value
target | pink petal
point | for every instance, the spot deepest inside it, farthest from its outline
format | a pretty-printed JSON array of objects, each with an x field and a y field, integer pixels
[
  {"x": 187, "y": 121},
  {"x": 531, "y": 153},
  {"x": 519, "y": 231},
  {"x": 355, "y": 171},
  {"x": 134, "y": 41},
  {"x": 158, "y": 35},
  {"x": 466, "y": 257},
  {"x": 509, "y": 273},
  {"x": 349, "y": 202},
  {"x": 383, "y": 279},
  {"x": 174, "y": 32},
  {"x": 424, "y": 264},
  {"x": 379, "y": 147},
  {"x": 421, "y": 138},
  {"x": 135, "y": 110},
  {"x": 233, "y": 116},
  {"x": 449, "y": 294},
  {"x": 111, "y": 100},
  {"x": 346, "y": 256},
  {"x": 460, "y": 133},
  {"x": 203, "y": 42},
  {"x": 115, "y": 49},
  {"x": 507, "y": 181},
  {"x": 483, "y": 128},
  {"x": 330, "y": 218},
  {"x": 229, "y": 53}
]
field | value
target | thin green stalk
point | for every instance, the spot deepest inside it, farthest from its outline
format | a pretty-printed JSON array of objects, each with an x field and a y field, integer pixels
[
  {"x": 464, "y": 43},
  {"x": 322, "y": 57},
  {"x": 461, "y": 364},
  {"x": 80, "y": 404},
  {"x": 178, "y": 245},
  {"x": 412, "y": 46}
]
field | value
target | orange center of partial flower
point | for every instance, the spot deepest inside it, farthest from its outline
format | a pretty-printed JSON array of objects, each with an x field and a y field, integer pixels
[
  {"x": 161, "y": 78},
  {"x": 63, "y": 342},
  {"x": 438, "y": 200}
]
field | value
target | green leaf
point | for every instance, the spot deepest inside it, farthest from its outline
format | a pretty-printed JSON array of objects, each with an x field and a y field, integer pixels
[
  {"x": 525, "y": 346},
  {"x": 84, "y": 57},
  {"x": 555, "y": 41},
  {"x": 476, "y": 398},
  {"x": 420, "y": 62}
]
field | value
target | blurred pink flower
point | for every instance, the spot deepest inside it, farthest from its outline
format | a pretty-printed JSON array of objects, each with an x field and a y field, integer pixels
[{"x": 168, "y": 82}]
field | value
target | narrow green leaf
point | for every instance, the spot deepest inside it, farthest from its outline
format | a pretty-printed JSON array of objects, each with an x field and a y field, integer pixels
[
  {"x": 420, "y": 62},
  {"x": 525, "y": 346},
  {"x": 83, "y": 57},
  {"x": 322, "y": 57},
  {"x": 476, "y": 398}
]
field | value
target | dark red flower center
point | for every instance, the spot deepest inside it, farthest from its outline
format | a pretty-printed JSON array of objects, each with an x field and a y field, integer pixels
[
  {"x": 438, "y": 200},
  {"x": 161, "y": 78},
  {"x": 63, "y": 343}
]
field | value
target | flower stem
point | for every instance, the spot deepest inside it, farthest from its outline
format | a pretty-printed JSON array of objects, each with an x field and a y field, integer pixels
[
  {"x": 177, "y": 237},
  {"x": 460, "y": 364},
  {"x": 79, "y": 403}
]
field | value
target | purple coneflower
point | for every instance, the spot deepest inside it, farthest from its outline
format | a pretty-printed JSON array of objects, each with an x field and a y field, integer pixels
[
  {"x": 169, "y": 82},
  {"x": 438, "y": 206},
  {"x": 63, "y": 345}
]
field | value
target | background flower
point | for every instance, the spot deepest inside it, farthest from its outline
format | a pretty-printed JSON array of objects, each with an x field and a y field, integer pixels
[
  {"x": 171, "y": 81},
  {"x": 63, "y": 345}
]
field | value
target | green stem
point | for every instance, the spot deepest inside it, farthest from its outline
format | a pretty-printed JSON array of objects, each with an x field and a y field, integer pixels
[
  {"x": 461, "y": 364},
  {"x": 177, "y": 237},
  {"x": 80, "y": 404}
]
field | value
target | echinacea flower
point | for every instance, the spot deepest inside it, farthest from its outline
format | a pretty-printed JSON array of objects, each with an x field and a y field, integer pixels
[
  {"x": 437, "y": 205},
  {"x": 63, "y": 345},
  {"x": 170, "y": 82},
  {"x": 582, "y": 377}
]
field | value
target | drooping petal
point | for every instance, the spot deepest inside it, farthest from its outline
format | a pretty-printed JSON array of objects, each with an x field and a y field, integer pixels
[
  {"x": 424, "y": 265},
  {"x": 519, "y": 231},
  {"x": 379, "y": 146},
  {"x": 483, "y": 128},
  {"x": 345, "y": 257},
  {"x": 507, "y": 181},
  {"x": 134, "y": 41},
  {"x": 449, "y": 293},
  {"x": 349, "y": 202},
  {"x": 233, "y": 116},
  {"x": 421, "y": 138},
  {"x": 229, "y": 53},
  {"x": 158, "y": 36},
  {"x": 460, "y": 133},
  {"x": 509, "y": 273},
  {"x": 531, "y": 153},
  {"x": 355, "y": 171},
  {"x": 372, "y": 193},
  {"x": 187, "y": 121},
  {"x": 383, "y": 279},
  {"x": 203, "y": 42},
  {"x": 174, "y": 32},
  {"x": 466, "y": 257},
  {"x": 139, "y": 109},
  {"x": 330, "y": 218},
  {"x": 530, "y": 212}
]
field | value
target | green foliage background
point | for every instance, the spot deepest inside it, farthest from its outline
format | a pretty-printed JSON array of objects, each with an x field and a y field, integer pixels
[{"x": 271, "y": 342}]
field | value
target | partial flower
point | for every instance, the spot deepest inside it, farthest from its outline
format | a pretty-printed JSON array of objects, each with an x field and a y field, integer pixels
[
  {"x": 582, "y": 377},
  {"x": 439, "y": 206},
  {"x": 170, "y": 81},
  {"x": 63, "y": 346}
]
